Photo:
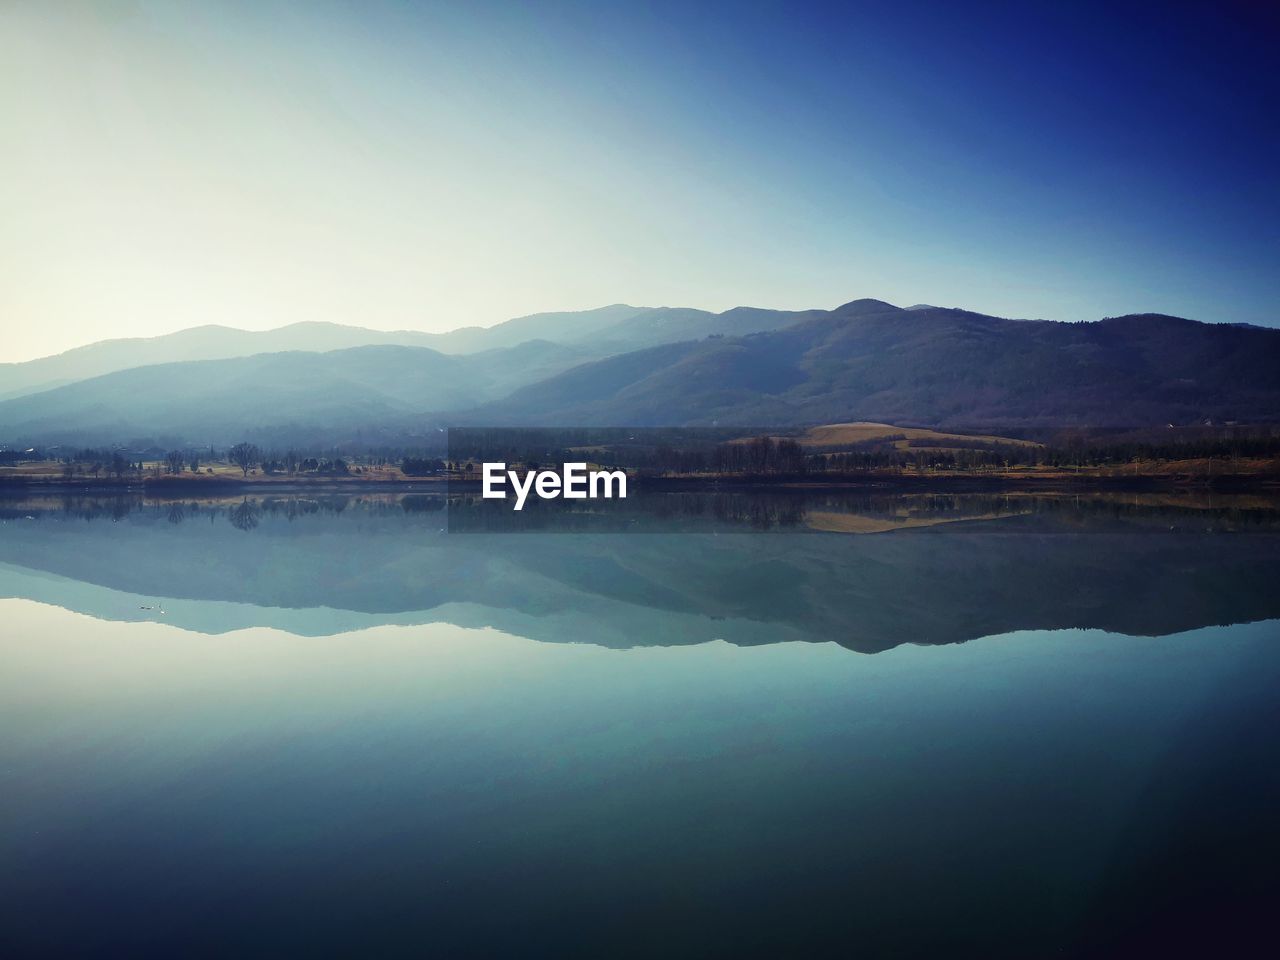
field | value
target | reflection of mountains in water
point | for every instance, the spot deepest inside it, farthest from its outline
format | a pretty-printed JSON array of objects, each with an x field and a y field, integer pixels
[{"x": 932, "y": 569}]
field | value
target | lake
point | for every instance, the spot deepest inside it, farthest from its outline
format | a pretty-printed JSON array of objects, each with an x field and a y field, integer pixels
[{"x": 704, "y": 724}]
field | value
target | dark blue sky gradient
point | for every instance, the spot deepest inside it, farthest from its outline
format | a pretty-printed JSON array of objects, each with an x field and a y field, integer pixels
[{"x": 1134, "y": 146}]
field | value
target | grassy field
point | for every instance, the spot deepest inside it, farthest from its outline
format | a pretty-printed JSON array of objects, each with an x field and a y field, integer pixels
[{"x": 851, "y": 434}]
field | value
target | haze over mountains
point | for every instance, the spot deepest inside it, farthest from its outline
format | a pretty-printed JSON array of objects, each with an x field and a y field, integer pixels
[
  {"x": 623, "y": 365},
  {"x": 602, "y": 331}
]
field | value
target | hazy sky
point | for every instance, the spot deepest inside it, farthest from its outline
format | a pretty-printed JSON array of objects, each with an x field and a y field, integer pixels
[{"x": 429, "y": 166}]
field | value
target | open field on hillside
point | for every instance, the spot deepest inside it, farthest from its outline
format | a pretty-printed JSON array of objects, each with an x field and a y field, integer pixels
[{"x": 849, "y": 434}]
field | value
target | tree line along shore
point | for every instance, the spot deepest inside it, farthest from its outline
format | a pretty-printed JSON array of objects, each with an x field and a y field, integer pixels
[{"x": 890, "y": 456}]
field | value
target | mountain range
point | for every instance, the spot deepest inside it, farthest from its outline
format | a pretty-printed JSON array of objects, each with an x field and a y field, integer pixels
[
  {"x": 637, "y": 366},
  {"x": 603, "y": 331},
  {"x": 868, "y": 360}
]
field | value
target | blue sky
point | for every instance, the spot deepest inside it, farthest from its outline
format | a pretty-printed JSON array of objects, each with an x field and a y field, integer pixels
[{"x": 429, "y": 166}]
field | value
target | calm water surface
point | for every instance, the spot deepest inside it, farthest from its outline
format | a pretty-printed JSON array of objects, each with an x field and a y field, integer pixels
[{"x": 868, "y": 726}]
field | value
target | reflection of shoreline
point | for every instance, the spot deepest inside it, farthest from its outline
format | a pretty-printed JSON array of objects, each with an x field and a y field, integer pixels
[
  {"x": 313, "y": 564},
  {"x": 1250, "y": 476},
  {"x": 788, "y": 506},
  {"x": 19, "y": 486},
  {"x": 1047, "y": 482}
]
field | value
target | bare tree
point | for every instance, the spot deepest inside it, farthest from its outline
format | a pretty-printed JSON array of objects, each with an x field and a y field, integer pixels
[{"x": 245, "y": 456}]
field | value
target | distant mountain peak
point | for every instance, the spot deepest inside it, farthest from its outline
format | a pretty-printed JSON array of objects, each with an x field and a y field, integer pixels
[
  {"x": 866, "y": 305},
  {"x": 1139, "y": 320}
]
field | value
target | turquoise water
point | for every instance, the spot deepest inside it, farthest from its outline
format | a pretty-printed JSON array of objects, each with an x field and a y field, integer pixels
[{"x": 346, "y": 732}]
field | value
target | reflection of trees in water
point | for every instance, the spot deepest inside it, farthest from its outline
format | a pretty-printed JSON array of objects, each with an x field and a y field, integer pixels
[
  {"x": 763, "y": 509},
  {"x": 1176, "y": 510},
  {"x": 119, "y": 506},
  {"x": 421, "y": 503},
  {"x": 291, "y": 508},
  {"x": 758, "y": 510},
  {"x": 177, "y": 511},
  {"x": 245, "y": 515},
  {"x": 760, "y": 513},
  {"x": 87, "y": 508},
  {"x": 745, "y": 509}
]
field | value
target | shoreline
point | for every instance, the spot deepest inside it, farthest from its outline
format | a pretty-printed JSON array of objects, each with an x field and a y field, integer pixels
[{"x": 956, "y": 483}]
